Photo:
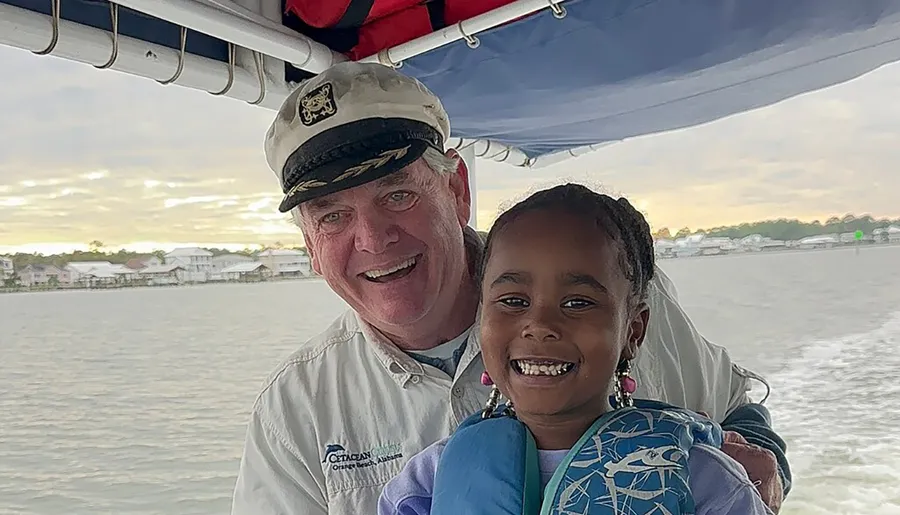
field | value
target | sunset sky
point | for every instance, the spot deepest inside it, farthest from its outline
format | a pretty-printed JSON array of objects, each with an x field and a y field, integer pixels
[{"x": 99, "y": 155}]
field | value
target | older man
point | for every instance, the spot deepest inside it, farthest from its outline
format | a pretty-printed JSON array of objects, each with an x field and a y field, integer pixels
[{"x": 359, "y": 151}]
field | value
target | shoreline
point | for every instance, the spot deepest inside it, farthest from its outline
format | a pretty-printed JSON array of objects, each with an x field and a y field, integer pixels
[{"x": 12, "y": 291}]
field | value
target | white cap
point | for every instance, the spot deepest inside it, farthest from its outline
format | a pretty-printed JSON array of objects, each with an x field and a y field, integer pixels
[{"x": 349, "y": 125}]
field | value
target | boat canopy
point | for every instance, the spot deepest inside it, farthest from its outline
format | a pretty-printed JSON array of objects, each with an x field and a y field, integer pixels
[{"x": 532, "y": 81}]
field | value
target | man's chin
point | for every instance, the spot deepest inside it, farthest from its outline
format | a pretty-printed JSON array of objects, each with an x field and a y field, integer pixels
[{"x": 379, "y": 312}]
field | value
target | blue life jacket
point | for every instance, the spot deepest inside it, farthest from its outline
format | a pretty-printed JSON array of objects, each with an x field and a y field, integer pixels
[{"x": 631, "y": 460}]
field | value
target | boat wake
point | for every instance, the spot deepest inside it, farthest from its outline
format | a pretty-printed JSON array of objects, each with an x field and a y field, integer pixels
[{"x": 838, "y": 406}]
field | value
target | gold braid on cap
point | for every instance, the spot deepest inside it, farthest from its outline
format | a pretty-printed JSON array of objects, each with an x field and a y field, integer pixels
[{"x": 375, "y": 162}]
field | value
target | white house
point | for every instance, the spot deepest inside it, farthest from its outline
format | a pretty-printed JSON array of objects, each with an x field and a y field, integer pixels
[
  {"x": 90, "y": 273},
  {"x": 38, "y": 275},
  {"x": 6, "y": 267},
  {"x": 223, "y": 261},
  {"x": 197, "y": 262},
  {"x": 249, "y": 271},
  {"x": 286, "y": 262},
  {"x": 160, "y": 275},
  {"x": 139, "y": 263}
]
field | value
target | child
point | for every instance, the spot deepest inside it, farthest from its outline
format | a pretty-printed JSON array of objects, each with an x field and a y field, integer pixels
[{"x": 563, "y": 283}]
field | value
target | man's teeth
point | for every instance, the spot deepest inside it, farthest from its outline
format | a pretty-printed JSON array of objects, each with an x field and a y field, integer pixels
[
  {"x": 375, "y": 274},
  {"x": 537, "y": 368}
]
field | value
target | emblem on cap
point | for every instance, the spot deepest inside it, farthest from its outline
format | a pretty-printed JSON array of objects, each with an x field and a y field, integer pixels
[{"x": 317, "y": 105}]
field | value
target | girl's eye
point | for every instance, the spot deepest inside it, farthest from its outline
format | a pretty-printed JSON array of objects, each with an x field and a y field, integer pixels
[
  {"x": 577, "y": 304},
  {"x": 514, "y": 302}
]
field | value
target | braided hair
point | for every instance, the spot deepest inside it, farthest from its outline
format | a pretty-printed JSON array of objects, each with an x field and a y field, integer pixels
[{"x": 618, "y": 218}]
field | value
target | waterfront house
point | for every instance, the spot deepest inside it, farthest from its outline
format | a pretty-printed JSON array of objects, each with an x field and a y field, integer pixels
[
  {"x": 252, "y": 271},
  {"x": 196, "y": 262},
  {"x": 286, "y": 262}
]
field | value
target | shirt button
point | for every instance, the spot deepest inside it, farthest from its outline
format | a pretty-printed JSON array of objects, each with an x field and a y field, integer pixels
[
  {"x": 416, "y": 379},
  {"x": 457, "y": 391}
]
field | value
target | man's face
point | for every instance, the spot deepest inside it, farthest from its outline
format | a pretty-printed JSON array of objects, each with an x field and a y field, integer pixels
[{"x": 393, "y": 248}]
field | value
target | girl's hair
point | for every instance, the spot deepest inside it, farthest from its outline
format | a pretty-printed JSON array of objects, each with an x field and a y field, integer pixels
[{"x": 618, "y": 218}]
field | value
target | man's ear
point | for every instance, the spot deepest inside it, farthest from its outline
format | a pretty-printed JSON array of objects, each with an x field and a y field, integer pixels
[
  {"x": 637, "y": 330},
  {"x": 459, "y": 186}
]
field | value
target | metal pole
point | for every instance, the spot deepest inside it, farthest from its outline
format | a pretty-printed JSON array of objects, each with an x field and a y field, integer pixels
[
  {"x": 297, "y": 49},
  {"x": 468, "y": 156},
  {"x": 29, "y": 30},
  {"x": 467, "y": 29}
]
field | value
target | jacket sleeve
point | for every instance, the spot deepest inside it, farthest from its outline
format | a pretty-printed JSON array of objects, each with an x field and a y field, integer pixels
[
  {"x": 678, "y": 365},
  {"x": 410, "y": 491},
  {"x": 275, "y": 478},
  {"x": 752, "y": 421}
]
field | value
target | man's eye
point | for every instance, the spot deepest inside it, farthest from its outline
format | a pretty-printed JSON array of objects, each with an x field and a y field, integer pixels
[
  {"x": 400, "y": 199},
  {"x": 399, "y": 196},
  {"x": 330, "y": 218}
]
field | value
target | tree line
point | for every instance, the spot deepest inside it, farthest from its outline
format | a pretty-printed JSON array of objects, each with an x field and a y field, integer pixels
[{"x": 788, "y": 229}]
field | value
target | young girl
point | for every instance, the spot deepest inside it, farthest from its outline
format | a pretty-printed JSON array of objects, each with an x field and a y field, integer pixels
[{"x": 564, "y": 282}]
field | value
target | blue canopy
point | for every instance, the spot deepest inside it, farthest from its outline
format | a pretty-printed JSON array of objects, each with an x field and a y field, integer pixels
[
  {"x": 615, "y": 69},
  {"x": 611, "y": 69}
]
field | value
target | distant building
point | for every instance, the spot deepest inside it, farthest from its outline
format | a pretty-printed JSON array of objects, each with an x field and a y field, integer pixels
[
  {"x": 143, "y": 262},
  {"x": 98, "y": 273},
  {"x": 164, "y": 275},
  {"x": 252, "y": 271},
  {"x": 223, "y": 261},
  {"x": 197, "y": 262},
  {"x": 890, "y": 234},
  {"x": 43, "y": 275},
  {"x": 286, "y": 262},
  {"x": 6, "y": 267}
]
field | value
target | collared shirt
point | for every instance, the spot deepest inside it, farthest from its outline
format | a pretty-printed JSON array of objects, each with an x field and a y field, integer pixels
[
  {"x": 345, "y": 412},
  {"x": 342, "y": 416},
  {"x": 445, "y": 356}
]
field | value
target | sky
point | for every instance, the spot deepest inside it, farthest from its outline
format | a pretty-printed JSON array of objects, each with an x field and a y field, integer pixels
[{"x": 99, "y": 155}]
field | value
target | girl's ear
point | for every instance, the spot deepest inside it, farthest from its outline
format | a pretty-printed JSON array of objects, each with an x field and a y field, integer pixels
[{"x": 637, "y": 330}]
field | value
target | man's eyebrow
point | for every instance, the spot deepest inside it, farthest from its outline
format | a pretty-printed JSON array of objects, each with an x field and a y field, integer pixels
[
  {"x": 514, "y": 277},
  {"x": 394, "y": 179},
  {"x": 577, "y": 279},
  {"x": 319, "y": 204}
]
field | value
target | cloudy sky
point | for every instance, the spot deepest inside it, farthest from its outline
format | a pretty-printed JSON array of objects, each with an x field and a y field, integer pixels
[{"x": 98, "y": 155}]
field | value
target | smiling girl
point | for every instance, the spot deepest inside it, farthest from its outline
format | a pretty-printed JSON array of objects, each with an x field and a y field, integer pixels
[{"x": 564, "y": 286}]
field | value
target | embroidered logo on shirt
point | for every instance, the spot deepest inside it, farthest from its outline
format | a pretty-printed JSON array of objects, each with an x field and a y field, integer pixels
[{"x": 339, "y": 458}]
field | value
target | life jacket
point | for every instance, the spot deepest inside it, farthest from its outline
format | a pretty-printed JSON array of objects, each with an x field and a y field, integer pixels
[
  {"x": 631, "y": 460},
  {"x": 361, "y": 28}
]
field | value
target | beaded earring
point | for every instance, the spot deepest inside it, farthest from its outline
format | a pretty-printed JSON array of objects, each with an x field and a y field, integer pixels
[
  {"x": 494, "y": 399},
  {"x": 625, "y": 385}
]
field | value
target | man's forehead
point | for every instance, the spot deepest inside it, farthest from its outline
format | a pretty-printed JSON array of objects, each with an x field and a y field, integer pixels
[{"x": 397, "y": 178}]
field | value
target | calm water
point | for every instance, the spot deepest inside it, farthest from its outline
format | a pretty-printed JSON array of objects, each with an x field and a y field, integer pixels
[{"x": 134, "y": 402}]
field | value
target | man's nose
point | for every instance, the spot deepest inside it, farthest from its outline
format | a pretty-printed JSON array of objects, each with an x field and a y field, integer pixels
[{"x": 375, "y": 232}]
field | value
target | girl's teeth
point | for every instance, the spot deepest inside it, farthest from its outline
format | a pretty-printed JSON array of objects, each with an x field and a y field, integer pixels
[{"x": 543, "y": 369}]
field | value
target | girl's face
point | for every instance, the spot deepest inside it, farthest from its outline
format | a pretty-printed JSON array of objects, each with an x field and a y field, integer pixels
[{"x": 556, "y": 318}]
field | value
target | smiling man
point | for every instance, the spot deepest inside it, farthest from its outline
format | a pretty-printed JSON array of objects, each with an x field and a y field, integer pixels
[{"x": 359, "y": 152}]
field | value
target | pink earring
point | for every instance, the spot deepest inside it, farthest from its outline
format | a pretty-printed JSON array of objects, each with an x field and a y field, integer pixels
[{"x": 625, "y": 385}]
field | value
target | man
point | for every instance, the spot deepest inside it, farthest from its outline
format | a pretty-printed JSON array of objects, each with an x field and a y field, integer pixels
[{"x": 384, "y": 212}]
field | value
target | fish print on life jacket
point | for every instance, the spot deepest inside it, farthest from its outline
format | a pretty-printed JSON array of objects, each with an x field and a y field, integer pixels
[{"x": 631, "y": 461}]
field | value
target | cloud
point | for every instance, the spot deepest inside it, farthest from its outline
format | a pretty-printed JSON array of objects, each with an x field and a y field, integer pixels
[{"x": 90, "y": 154}]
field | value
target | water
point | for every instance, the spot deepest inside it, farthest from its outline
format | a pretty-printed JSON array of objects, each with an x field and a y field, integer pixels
[{"x": 134, "y": 401}]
